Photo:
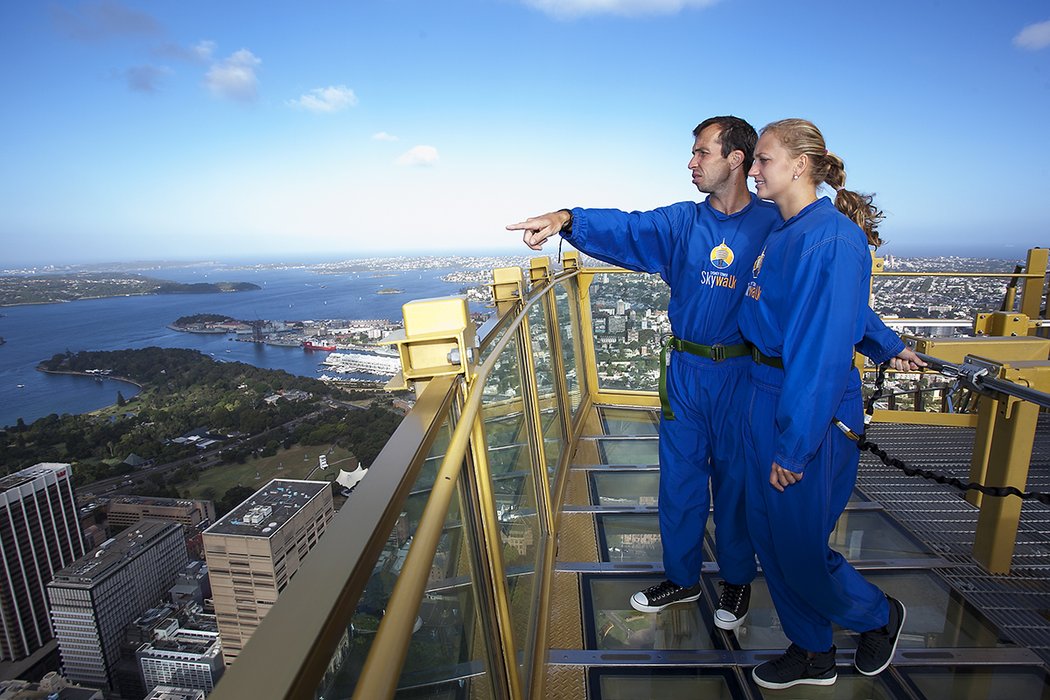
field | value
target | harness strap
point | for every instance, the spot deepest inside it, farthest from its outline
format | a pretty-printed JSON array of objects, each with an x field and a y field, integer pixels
[
  {"x": 712, "y": 352},
  {"x": 767, "y": 360}
]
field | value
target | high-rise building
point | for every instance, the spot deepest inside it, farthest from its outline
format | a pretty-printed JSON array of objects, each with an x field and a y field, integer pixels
[
  {"x": 167, "y": 692},
  {"x": 124, "y": 511},
  {"x": 94, "y": 599},
  {"x": 51, "y": 687},
  {"x": 39, "y": 534},
  {"x": 184, "y": 658},
  {"x": 255, "y": 549}
]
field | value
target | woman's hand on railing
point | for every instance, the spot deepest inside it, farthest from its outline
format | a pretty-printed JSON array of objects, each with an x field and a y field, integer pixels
[
  {"x": 907, "y": 360},
  {"x": 538, "y": 229}
]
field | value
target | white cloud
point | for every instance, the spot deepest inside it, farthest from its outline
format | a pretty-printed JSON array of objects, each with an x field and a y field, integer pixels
[
  {"x": 419, "y": 156},
  {"x": 1034, "y": 36},
  {"x": 630, "y": 8},
  {"x": 203, "y": 50},
  {"x": 383, "y": 136},
  {"x": 234, "y": 77},
  {"x": 326, "y": 100}
]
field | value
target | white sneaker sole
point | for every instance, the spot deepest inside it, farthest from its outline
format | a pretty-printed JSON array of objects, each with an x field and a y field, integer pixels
[
  {"x": 798, "y": 681},
  {"x": 729, "y": 626},
  {"x": 639, "y": 604},
  {"x": 880, "y": 669}
]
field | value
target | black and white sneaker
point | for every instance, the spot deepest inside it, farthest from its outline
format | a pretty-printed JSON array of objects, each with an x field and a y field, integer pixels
[
  {"x": 796, "y": 667},
  {"x": 656, "y": 598},
  {"x": 732, "y": 605},
  {"x": 876, "y": 647}
]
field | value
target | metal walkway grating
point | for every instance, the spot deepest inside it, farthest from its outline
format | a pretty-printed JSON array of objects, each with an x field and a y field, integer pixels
[{"x": 1019, "y": 602}]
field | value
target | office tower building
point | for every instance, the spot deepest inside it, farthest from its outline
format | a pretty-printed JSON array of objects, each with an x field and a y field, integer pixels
[
  {"x": 167, "y": 692},
  {"x": 94, "y": 599},
  {"x": 182, "y": 658},
  {"x": 39, "y": 535},
  {"x": 124, "y": 511},
  {"x": 255, "y": 550}
]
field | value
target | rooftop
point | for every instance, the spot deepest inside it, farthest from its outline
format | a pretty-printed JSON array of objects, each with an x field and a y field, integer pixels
[
  {"x": 29, "y": 473},
  {"x": 268, "y": 509},
  {"x": 152, "y": 501},
  {"x": 114, "y": 553},
  {"x": 184, "y": 643}
]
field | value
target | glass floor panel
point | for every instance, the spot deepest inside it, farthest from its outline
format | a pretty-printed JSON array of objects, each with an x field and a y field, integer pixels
[
  {"x": 640, "y": 488},
  {"x": 937, "y": 617},
  {"x": 866, "y": 535},
  {"x": 849, "y": 686},
  {"x": 634, "y": 451},
  {"x": 978, "y": 683},
  {"x": 859, "y": 536},
  {"x": 614, "y": 624},
  {"x": 625, "y": 488},
  {"x": 631, "y": 537},
  {"x": 659, "y": 684},
  {"x": 628, "y": 421}
]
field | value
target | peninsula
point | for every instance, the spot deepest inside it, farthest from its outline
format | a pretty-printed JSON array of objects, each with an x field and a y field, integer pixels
[{"x": 50, "y": 289}]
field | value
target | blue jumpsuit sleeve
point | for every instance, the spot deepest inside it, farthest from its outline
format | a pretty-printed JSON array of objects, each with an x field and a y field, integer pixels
[
  {"x": 640, "y": 241},
  {"x": 822, "y": 327},
  {"x": 879, "y": 343}
]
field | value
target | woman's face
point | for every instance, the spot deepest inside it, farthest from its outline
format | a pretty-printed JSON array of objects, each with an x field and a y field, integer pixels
[{"x": 773, "y": 168}]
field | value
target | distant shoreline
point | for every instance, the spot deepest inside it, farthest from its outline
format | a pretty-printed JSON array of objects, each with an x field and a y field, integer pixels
[
  {"x": 91, "y": 376},
  {"x": 32, "y": 291}
]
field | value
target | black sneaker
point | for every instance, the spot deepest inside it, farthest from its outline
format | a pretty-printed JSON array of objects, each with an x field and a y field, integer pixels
[
  {"x": 732, "y": 605},
  {"x": 656, "y": 598},
  {"x": 796, "y": 667},
  {"x": 876, "y": 647}
]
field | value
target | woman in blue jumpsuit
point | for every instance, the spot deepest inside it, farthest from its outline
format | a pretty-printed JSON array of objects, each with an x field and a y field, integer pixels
[{"x": 804, "y": 311}]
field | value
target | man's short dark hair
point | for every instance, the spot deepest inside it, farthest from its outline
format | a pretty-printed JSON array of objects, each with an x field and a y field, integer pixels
[{"x": 735, "y": 135}]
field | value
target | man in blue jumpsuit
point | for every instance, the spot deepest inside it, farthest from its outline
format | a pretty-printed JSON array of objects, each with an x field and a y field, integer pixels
[{"x": 704, "y": 252}]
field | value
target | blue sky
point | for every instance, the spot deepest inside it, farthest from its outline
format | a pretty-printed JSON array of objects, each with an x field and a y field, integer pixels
[{"x": 201, "y": 130}]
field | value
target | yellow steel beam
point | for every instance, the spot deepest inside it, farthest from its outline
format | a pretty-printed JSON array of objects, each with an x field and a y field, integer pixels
[
  {"x": 957, "y": 420},
  {"x": 1010, "y": 452},
  {"x": 1032, "y": 287}
]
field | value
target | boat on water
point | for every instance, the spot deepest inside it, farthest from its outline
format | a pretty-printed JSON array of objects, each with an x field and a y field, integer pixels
[
  {"x": 318, "y": 345},
  {"x": 350, "y": 362}
]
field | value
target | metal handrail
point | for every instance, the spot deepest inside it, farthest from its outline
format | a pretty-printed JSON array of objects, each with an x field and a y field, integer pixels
[
  {"x": 506, "y": 319},
  {"x": 390, "y": 646}
]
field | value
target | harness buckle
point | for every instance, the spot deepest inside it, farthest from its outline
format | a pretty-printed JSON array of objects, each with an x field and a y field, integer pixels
[{"x": 718, "y": 352}]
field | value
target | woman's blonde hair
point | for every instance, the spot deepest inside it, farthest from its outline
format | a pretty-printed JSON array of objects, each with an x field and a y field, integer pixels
[{"x": 801, "y": 137}]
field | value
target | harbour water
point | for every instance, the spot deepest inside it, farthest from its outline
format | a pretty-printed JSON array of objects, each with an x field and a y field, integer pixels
[{"x": 37, "y": 332}]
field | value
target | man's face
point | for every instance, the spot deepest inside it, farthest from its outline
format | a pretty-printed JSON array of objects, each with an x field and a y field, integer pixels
[{"x": 710, "y": 169}]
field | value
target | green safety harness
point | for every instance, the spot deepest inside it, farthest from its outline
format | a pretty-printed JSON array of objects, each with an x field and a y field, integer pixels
[{"x": 712, "y": 352}]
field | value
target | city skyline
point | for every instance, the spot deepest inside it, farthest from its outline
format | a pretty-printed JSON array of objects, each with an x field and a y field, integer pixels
[{"x": 188, "y": 131}]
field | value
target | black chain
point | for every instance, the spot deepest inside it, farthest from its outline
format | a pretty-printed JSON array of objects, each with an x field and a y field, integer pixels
[
  {"x": 880, "y": 380},
  {"x": 865, "y": 444},
  {"x": 1001, "y": 491}
]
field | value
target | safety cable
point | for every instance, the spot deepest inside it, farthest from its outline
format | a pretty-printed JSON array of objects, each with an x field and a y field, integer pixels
[{"x": 864, "y": 444}]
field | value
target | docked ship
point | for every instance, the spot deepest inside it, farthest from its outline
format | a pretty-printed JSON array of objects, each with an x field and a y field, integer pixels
[
  {"x": 362, "y": 363},
  {"x": 318, "y": 345},
  {"x": 494, "y": 548}
]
